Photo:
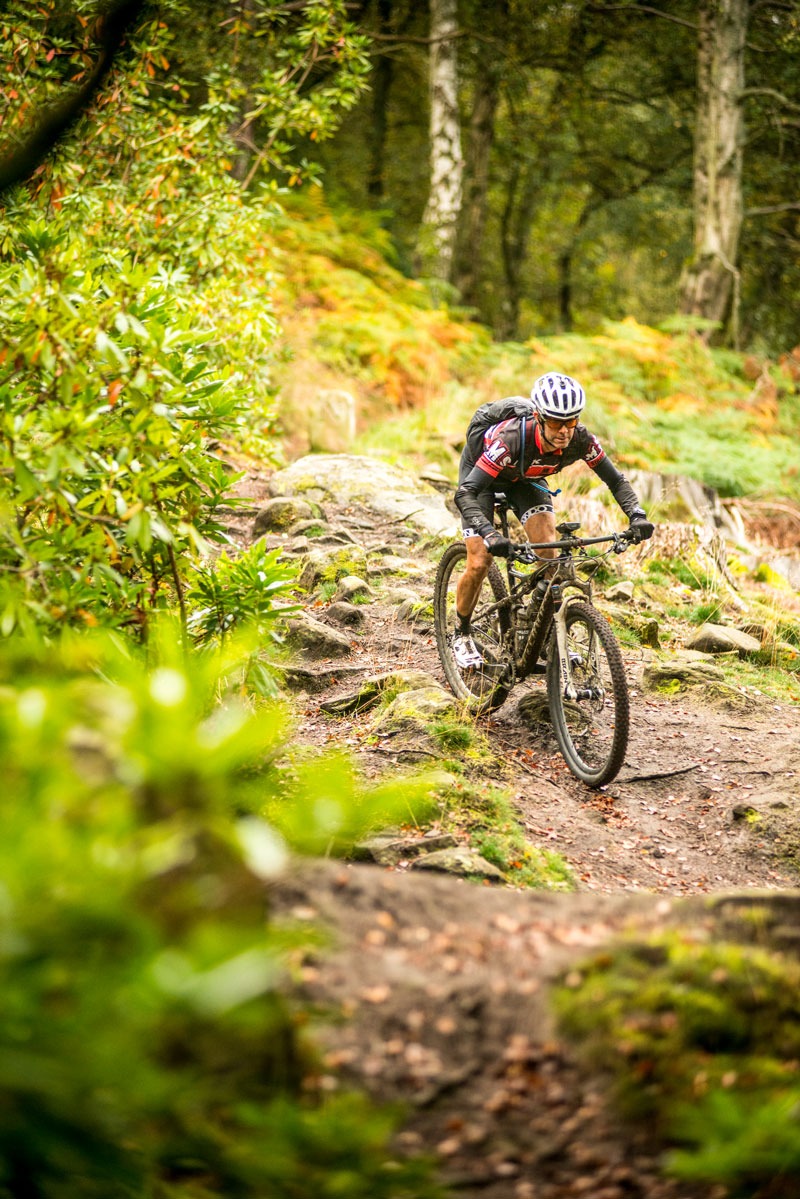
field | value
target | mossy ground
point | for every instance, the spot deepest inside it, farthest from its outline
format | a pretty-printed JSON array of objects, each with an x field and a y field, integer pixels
[
  {"x": 703, "y": 1042},
  {"x": 488, "y": 817}
]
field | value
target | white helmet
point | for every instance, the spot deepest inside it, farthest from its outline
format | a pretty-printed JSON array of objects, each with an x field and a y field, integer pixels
[{"x": 558, "y": 396}]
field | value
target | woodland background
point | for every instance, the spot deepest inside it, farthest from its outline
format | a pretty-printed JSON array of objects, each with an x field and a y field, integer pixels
[{"x": 208, "y": 212}]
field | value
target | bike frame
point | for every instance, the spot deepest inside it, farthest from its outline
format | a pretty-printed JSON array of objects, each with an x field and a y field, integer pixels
[{"x": 553, "y": 608}]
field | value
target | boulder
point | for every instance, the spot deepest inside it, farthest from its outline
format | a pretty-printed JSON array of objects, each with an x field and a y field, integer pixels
[
  {"x": 466, "y": 863},
  {"x": 685, "y": 672},
  {"x": 315, "y": 639},
  {"x": 398, "y": 595},
  {"x": 382, "y": 488},
  {"x": 415, "y": 708},
  {"x": 621, "y": 592},
  {"x": 687, "y": 501},
  {"x": 317, "y": 678},
  {"x": 389, "y": 849},
  {"x": 719, "y": 639},
  {"x": 643, "y": 624},
  {"x": 346, "y": 614},
  {"x": 390, "y": 682},
  {"x": 316, "y": 525},
  {"x": 280, "y": 514},
  {"x": 351, "y": 586},
  {"x": 415, "y": 611},
  {"x": 329, "y": 563},
  {"x": 391, "y": 565}
]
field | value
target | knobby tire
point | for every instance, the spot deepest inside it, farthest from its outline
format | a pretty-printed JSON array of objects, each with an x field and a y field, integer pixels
[
  {"x": 591, "y": 734},
  {"x": 482, "y": 690}
]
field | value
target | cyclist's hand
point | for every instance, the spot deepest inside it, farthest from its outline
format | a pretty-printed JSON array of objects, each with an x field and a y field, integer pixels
[
  {"x": 497, "y": 545},
  {"x": 641, "y": 529}
]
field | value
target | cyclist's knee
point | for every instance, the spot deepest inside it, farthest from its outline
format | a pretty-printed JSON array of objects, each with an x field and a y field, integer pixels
[
  {"x": 478, "y": 557},
  {"x": 541, "y": 526}
]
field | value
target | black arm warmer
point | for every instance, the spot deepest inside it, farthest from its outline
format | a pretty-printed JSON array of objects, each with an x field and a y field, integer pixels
[
  {"x": 476, "y": 482},
  {"x": 618, "y": 485}
]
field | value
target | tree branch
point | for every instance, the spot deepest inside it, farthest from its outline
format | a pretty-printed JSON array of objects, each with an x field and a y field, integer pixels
[
  {"x": 19, "y": 162},
  {"x": 770, "y": 209},
  {"x": 642, "y": 8},
  {"x": 769, "y": 91}
]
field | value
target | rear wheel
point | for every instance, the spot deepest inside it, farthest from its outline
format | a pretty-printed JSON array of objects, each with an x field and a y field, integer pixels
[
  {"x": 484, "y": 687},
  {"x": 592, "y": 731}
]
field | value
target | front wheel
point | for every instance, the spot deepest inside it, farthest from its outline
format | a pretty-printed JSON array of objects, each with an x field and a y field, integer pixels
[
  {"x": 592, "y": 730},
  {"x": 482, "y": 687}
]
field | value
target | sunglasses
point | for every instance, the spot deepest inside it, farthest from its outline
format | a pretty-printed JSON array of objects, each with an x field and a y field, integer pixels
[{"x": 554, "y": 423}]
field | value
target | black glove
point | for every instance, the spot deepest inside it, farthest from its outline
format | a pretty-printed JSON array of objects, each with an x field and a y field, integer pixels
[
  {"x": 497, "y": 545},
  {"x": 641, "y": 527}
]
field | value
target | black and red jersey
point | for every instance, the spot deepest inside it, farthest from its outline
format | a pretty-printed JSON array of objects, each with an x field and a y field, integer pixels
[
  {"x": 502, "y": 447},
  {"x": 513, "y": 453}
]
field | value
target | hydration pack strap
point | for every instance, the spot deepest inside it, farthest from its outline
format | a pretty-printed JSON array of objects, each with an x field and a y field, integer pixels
[{"x": 539, "y": 486}]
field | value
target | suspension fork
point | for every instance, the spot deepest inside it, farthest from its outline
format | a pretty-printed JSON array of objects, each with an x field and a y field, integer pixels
[{"x": 568, "y": 688}]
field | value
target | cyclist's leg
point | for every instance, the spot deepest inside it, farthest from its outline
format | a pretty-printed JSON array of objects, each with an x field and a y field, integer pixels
[
  {"x": 469, "y": 585},
  {"x": 478, "y": 562},
  {"x": 535, "y": 511}
]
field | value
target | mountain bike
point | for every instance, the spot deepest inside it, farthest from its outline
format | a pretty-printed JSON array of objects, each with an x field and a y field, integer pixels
[{"x": 539, "y": 619}]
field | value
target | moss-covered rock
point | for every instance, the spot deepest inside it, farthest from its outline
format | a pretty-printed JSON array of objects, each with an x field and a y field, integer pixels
[
  {"x": 703, "y": 1041},
  {"x": 417, "y": 708}
]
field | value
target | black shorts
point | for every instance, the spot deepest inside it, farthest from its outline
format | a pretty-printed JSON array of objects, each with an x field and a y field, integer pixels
[{"x": 524, "y": 499}]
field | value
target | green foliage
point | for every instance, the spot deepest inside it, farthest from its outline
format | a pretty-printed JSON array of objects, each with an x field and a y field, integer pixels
[
  {"x": 136, "y": 295},
  {"x": 108, "y": 407},
  {"x": 709, "y": 611},
  {"x": 453, "y": 735},
  {"x": 489, "y": 818},
  {"x": 232, "y": 592},
  {"x": 523, "y": 864},
  {"x": 702, "y": 1039},
  {"x": 143, "y": 1047}
]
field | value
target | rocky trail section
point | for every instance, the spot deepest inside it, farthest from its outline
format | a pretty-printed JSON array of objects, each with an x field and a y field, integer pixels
[
  {"x": 709, "y": 796},
  {"x": 435, "y": 992}
]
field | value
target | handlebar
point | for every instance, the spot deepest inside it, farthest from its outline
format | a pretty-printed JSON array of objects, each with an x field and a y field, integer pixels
[{"x": 526, "y": 552}]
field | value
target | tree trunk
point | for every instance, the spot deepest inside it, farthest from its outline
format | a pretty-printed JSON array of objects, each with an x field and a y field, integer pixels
[
  {"x": 711, "y": 284},
  {"x": 240, "y": 129},
  {"x": 381, "y": 86},
  {"x": 514, "y": 231},
  {"x": 472, "y": 221},
  {"x": 438, "y": 234}
]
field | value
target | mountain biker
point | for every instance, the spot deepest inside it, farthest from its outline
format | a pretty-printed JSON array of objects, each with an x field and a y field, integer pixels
[{"x": 517, "y": 454}]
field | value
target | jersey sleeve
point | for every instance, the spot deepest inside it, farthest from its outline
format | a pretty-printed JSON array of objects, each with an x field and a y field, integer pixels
[
  {"x": 594, "y": 453},
  {"x": 470, "y": 489},
  {"x": 497, "y": 452}
]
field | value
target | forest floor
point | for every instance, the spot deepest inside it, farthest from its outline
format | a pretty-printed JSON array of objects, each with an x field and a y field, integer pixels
[{"x": 438, "y": 986}]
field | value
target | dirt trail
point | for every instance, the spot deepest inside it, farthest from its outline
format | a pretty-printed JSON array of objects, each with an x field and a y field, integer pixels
[
  {"x": 434, "y": 991},
  {"x": 673, "y": 819}
]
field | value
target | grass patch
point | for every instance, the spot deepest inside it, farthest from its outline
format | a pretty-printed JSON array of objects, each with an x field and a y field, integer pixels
[
  {"x": 702, "y": 1041},
  {"x": 490, "y": 820},
  {"x": 709, "y": 611},
  {"x": 523, "y": 864},
  {"x": 453, "y": 735},
  {"x": 773, "y": 682}
]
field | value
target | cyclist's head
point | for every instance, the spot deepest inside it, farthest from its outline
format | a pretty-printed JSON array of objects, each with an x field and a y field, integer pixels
[{"x": 558, "y": 397}]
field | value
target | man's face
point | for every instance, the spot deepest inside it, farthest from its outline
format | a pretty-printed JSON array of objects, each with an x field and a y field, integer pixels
[{"x": 559, "y": 433}]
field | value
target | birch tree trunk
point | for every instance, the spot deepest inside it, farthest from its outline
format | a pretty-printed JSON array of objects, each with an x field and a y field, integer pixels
[
  {"x": 711, "y": 284},
  {"x": 438, "y": 233}
]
